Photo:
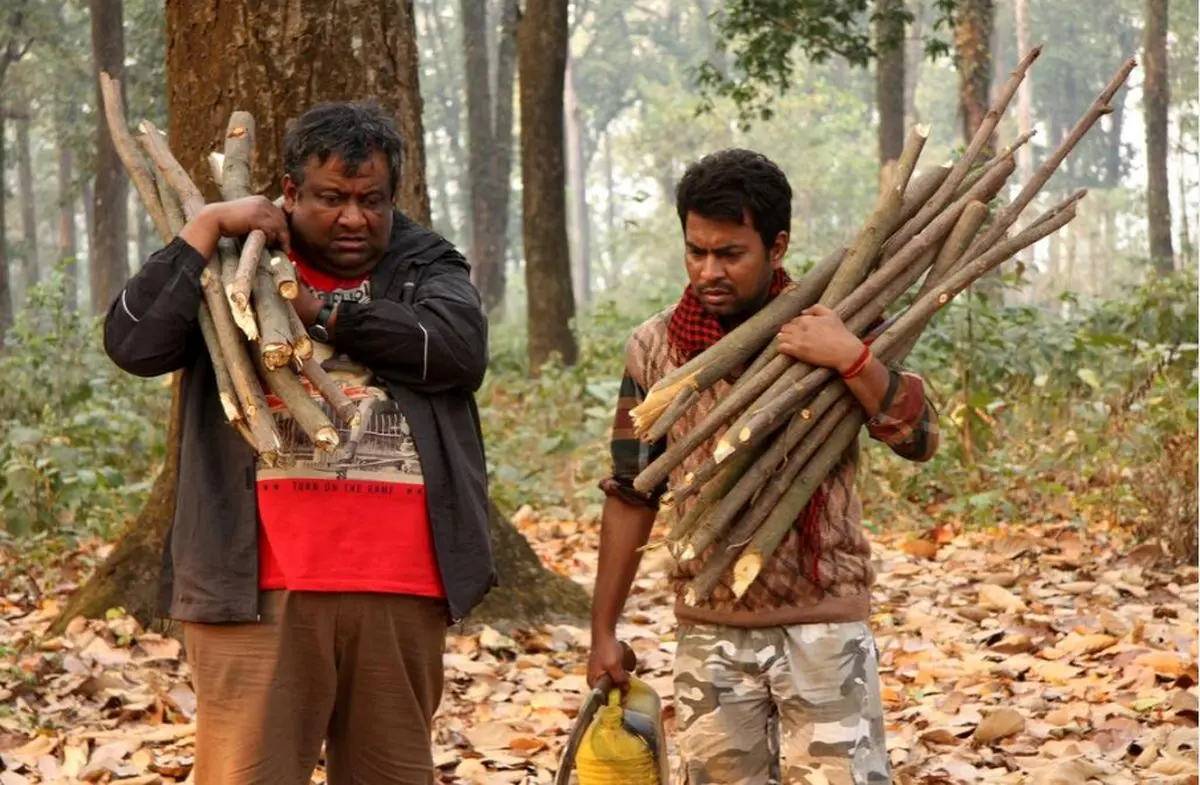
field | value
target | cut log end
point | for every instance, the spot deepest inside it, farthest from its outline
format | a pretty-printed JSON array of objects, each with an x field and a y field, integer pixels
[
  {"x": 722, "y": 451},
  {"x": 229, "y": 405},
  {"x": 688, "y": 553},
  {"x": 690, "y": 598},
  {"x": 276, "y": 355},
  {"x": 745, "y": 572},
  {"x": 327, "y": 439},
  {"x": 288, "y": 290}
]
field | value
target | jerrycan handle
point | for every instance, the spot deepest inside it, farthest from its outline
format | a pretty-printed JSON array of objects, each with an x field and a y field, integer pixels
[{"x": 628, "y": 662}]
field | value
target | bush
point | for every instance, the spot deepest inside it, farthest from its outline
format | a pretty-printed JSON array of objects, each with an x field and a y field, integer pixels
[{"x": 79, "y": 438}]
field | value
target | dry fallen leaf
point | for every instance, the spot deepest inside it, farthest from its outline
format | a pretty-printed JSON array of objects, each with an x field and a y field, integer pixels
[
  {"x": 998, "y": 598},
  {"x": 999, "y": 724}
]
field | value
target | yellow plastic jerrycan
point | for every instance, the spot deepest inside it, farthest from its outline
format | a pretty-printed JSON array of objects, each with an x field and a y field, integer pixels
[{"x": 624, "y": 744}]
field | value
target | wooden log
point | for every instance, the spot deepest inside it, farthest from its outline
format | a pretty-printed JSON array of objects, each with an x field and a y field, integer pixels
[
  {"x": 274, "y": 326},
  {"x": 945, "y": 192},
  {"x": 1008, "y": 216},
  {"x": 155, "y": 145},
  {"x": 225, "y": 390},
  {"x": 135, "y": 165},
  {"x": 730, "y": 546},
  {"x": 345, "y": 409},
  {"x": 302, "y": 346},
  {"x": 975, "y": 174},
  {"x": 783, "y": 515},
  {"x": 920, "y": 189},
  {"x": 267, "y": 442},
  {"x": 914, "y": 318},
  {"x": 287, "y": 385},
  {"x": 710, "y": 495}
]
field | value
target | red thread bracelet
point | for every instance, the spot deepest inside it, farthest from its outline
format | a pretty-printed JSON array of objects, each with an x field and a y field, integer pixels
[{"x": 860, "y": 364}]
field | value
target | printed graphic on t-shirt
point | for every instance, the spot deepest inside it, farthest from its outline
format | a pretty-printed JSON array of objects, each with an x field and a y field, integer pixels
[{"x": 354, "y": 518}]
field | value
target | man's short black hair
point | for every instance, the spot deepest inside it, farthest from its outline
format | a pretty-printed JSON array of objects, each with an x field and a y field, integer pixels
[
  {"x": 728, "y": 184},
  {"x": 352, "y": 131}
]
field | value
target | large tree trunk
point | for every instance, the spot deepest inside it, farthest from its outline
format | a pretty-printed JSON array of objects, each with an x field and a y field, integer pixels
[
  {"x": 489, "y": 127},
  {"x": 1157, "y": 98},
  {"x": 914, "y": 56},
  {"x": 202, "y": 92},
  {"x": 447, "y": 95},
  {"x": 889, "y": 80},
  {"x": 973, "y": 51},
  {"x": 108, "y": 251},
  {"x": 29, "y": 256},
  {"x": 542, "y": 61},
  {"x": 68, "y": 245},
  {"x": 219, "y": 60}
]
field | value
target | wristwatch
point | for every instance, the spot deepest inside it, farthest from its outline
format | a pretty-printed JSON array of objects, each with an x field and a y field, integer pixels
[{"x": 317, "y": 329}]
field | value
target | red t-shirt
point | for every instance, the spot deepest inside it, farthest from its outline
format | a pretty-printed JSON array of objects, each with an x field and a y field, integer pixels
[{"x": 355, "y": 519}]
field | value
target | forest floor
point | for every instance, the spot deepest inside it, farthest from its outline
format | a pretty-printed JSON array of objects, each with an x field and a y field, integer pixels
[{"x": 1041, "y": 654}]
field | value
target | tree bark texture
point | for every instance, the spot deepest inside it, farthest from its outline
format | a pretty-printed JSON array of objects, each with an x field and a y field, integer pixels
[
  {"x": 107, "y": 249},
  {"x": 581, "y": 245},
  {"x": 276, "y": 60},
  {"x": 889, "y": 81},
  {"x": 1156, "y": 92},
  {"x": 29, "y": 254},
  {"x": 542, "y": 60},
  {"x": 68, "y": 244},
  {"x": 490, "y": 143},
  {"x": 973, "y": 54}
]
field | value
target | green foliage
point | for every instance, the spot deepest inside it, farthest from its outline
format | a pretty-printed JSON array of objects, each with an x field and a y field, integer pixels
[
  {"x": 1037, "y": 404},
  {"x": 78, "y": 437},
  {"x": 766, "y": 33}
]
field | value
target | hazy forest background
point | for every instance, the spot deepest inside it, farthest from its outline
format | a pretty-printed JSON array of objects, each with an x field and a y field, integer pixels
[{"x": 548, "y": 149}]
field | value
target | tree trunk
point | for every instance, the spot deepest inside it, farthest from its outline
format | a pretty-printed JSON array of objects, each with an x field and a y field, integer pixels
[
  {"x": 366, "y": 50},
  {"x": 914, "y": 56},
  {"x": 1024, "y": 92},
  {"x": 542, "y": 60},
  {"x": 581, "y": 250},
  {"x": 108, "y": 252},
  {"x": 889, "y": 80},
  {"x": 1157, "y": 98},
  {"x": 29, "y": 256},
  {"x": 199, "y": 107},
  {"x": 973, "y": 49},
  {"x": 68, "y": 246},
  {"x": 449, "y": 87},
  {"x": 489, "y": 124},
  {"x": 7, "y": 305}
]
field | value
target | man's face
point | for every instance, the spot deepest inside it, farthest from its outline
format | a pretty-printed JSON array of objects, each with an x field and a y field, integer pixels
[
  {"x": 341, "y": 222},
  {"x": 729, "y": 269}
]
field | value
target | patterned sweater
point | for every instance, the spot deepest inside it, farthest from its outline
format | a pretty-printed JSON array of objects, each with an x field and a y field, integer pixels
[{"x": 781, "y": 594}]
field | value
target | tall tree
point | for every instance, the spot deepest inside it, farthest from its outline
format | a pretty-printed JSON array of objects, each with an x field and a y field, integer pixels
[
  {"x": 889, "y": 78},
  {"x": 542, "y": 62},
  {"x": 107, "y": 243},
  {"x": 202, "y": 92},
  {"x": 973, "y": 57},
  {"x": 1025, "y": 91},
  {"x": 29, "y": 245},
  {"x": 16, "y": 43},
  {"x": 1157, "y": 96},
  {"x": 490, "y": 143},
  {"x": 580, "y": 219}
]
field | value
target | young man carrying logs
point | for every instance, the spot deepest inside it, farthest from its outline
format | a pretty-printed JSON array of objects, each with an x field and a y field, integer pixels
[
  {"x": 782, "y": 684},
  {"x": 317, "y": 588}
]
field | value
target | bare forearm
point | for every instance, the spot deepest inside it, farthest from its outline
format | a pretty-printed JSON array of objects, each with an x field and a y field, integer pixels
[
  {"x": 624, "y": 529},
  {"x": 870, "y": 386}
]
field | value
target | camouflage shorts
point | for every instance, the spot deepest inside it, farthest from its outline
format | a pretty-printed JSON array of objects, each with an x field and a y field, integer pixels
[{"x": 789, "y": 705}]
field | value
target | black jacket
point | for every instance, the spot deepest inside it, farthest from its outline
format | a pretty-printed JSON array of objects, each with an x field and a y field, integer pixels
[{"x": 423, "y": 333}]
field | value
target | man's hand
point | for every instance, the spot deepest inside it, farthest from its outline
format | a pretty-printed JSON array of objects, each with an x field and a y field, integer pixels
[
  {"x": 235, "y": 219},
  {"x": 607, "y": 657},
  {"x": 818, "y": 337}
]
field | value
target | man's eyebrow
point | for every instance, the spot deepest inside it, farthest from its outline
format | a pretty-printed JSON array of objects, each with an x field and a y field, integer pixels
[{"x": 719, "y": 249}]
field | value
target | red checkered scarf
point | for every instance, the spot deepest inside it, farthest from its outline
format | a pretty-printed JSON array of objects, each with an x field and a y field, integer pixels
[{"x": 690, "y": 331}]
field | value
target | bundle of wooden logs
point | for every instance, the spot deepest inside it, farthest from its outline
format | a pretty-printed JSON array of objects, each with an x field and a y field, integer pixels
[
  {"x": 792, "y": 422},
  {"x": 250, "y": 328}
]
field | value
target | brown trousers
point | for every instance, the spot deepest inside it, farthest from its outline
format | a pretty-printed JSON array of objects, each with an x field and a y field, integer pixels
[{"x": 361, "y": 672}]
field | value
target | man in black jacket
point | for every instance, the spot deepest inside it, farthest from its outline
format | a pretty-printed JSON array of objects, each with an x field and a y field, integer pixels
[{"x": 316, "y": 592}]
